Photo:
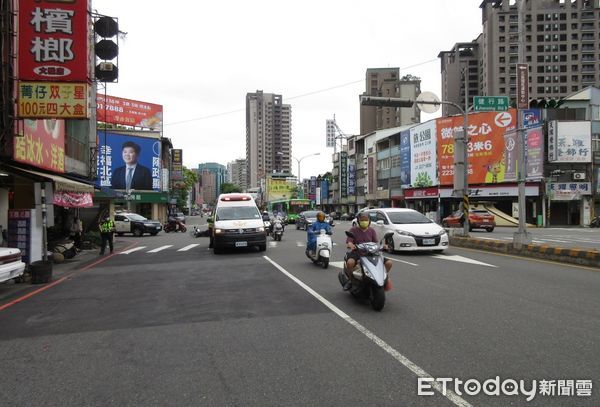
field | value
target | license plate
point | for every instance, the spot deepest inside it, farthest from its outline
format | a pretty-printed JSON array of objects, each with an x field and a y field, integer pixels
[
  {"x": 158, "y": 227},
  {"x": 486, "y": 220},
  {"x": 241, "y": 244},
  {"x": 428, "y": 241}
]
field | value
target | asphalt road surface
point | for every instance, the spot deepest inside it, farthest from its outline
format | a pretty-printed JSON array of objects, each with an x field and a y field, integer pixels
[{"x": 165, "y": 322}]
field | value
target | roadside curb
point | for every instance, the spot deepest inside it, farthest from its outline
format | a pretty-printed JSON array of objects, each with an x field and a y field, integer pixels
[{"x": 559, "y": 254}]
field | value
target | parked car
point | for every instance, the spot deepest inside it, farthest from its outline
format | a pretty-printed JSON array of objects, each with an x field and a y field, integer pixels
[
  {"x": 347, "y": 216},
  {"x": 126, "y": 222},
  {"x": 478, "y": 219},
  {"x": 11, "y": 265},
  {"x": 413, "y": 231},
  {"x": 305, "y": 219},
  {"x": 335, "y": 215}
]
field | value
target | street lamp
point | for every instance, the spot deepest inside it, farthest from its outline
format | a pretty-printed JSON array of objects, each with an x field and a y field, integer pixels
[{"x": 298, "y": 160}]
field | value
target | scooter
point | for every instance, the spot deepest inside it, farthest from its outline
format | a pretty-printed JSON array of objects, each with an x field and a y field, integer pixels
[
  {"x": 174, "y": 225},
  {"x": 322, "y": 253},
  {"x": 595, "y": 223},
  {"x": 369, "y": 277},
  {"x": 199, "y": 233},
  {"x": 277, "y": 232},
  {"x": 267, "y": 224}
]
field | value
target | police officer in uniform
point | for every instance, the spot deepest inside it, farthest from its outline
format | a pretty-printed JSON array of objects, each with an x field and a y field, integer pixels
[{"x": 107, "y": 228}]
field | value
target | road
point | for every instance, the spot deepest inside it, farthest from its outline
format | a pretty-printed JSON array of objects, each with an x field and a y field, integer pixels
[
  {"x": 577, "y": 238},
  {"x": 167, "y": 323}
]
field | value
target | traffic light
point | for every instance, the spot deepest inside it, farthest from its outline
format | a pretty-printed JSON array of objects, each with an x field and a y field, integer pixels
[
  {"x": 545, "y": 103},
  {"x": 106, "y": 48}
]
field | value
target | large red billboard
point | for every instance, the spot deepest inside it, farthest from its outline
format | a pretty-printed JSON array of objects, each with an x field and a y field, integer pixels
[
  {"x": 115, "y": 110},
  {"x": 487, "y": 156},
  {"x": 53, "y": 40}
]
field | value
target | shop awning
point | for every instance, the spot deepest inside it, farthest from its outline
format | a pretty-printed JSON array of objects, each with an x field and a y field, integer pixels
[{"x": 61, "y": 184}]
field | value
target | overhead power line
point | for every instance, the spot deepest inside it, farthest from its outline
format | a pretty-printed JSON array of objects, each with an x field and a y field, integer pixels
[{"x": 211, "y": 116}]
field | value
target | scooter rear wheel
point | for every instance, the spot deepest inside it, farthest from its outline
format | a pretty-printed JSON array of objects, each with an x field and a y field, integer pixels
[{"x": 325, "y": 263}]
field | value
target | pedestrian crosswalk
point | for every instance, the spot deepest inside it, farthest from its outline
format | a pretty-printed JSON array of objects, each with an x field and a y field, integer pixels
[{"x": 159, "y": 249}]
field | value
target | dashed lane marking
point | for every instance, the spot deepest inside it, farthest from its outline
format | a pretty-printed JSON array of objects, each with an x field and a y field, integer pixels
[
  {"x": 135, "y": 249},
  {"x": 188, "y": 247},
  {"x": 158, "y": 249}
]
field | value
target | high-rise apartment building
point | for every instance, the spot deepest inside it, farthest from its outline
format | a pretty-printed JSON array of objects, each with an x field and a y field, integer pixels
[
  {"x": 558, "y": 39},
  {"x": 268, "y": 136},
  {"x": 212, "y": 176},
  {"x": 386, "y": 82},
  {"x": 236, "y": 173}
]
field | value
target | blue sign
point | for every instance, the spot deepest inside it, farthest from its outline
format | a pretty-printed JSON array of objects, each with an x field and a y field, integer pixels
[
  {"x": 324, "y": 190},
  {"x": 351, "y": 178},
  {"x": 127, "y": 162},
  {"x": 405, "y": 158},
  {"x": 531, "y": 118}
]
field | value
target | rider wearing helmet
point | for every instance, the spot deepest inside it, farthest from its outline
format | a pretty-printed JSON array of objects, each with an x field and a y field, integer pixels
[
  {"x": 314, "y": 229},
  {"x": 362, "y": 233}
]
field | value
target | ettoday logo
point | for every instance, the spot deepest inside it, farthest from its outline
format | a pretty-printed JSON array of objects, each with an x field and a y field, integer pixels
[{"x": 507, "y": 387}]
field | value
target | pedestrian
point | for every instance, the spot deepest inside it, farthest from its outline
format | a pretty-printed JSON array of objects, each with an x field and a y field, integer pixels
[
  {"x": 76, "y": 229},
  {"x": 107, "y": 228}
]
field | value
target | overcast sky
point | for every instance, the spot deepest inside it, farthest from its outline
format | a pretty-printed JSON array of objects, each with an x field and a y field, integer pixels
[{"x": 199, "y": 59}]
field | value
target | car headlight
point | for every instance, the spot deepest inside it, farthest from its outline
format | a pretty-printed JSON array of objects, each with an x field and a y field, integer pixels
[
  {"x": 260, "y": 229},
  {"x": 443, "y": 232},
  {"x": 218, "y": 231},
  {"x": 404, "y": 233}
]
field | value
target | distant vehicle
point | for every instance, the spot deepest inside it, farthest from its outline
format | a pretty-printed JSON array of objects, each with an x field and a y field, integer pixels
[
  {"x": 126, "y": 222},
  {"x": 412, "y": 231},
  {"x": 237, "y": 223},
  {"x": 335, "y": 215},
  {"x": 180, "y": 216},
  {"x": 347, "y": 216},
  {"x": 306, "y": 219},
  {"x": 11, "y": 265},
  {"x": 292, "y": 207},
  {"x": 478, "y": 219}
]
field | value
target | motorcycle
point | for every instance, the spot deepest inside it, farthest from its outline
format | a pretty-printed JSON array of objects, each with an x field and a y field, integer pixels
[
  {"x": 277, "y": 232},
  {"x": 369, "y": 278},
  {"x": 267, "y": 224},
  {"x": 174, "y": 225},
  {"x": 322, "y": 253},
  {"x": 199, "y": 233},
  {"x": 595, "y": 223}
]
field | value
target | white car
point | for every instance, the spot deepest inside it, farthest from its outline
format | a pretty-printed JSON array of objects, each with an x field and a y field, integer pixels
[
  {"x": 11, "y": 265},
  {"x": 412, "y": 230}
]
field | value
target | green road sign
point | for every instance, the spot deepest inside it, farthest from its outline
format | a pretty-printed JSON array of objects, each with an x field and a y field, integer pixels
[{"x": 490, "y": 103}]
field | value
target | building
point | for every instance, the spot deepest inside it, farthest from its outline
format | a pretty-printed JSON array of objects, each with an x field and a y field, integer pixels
[
  {"x": 560, "y": 43},
  {"x": 386, "y": 82},
  {"x": 236, "y": 173},
  {"x": 212, "y": 176},
  {"x": 268, "y": 136}
]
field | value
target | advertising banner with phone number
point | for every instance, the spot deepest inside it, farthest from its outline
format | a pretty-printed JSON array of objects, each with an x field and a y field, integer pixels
[{"x": 115, "y": 110}]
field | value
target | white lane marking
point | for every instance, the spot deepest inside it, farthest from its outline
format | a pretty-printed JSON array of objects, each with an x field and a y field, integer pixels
[
  {"x": 300, "y": 244},
  {"x": 338, "y": 264},
  {"x": 461, "y": 259},
  {"x": 449, "y": 394},
  {"x": 403, "y": 261},
  {"x": 188, "y": 247},
  {"x": 135, "y": 249},
  {"x": 158, "y": 249},
  {"x": 272, "y": 244}
]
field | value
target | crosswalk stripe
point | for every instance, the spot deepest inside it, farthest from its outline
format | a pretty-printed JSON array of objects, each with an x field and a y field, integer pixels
[
  {"x": 158, "y": 249},
  {"x": 188, "y": 247},
  {"x": 272, "y": 244},
  {"x": 135, "y": 249}
]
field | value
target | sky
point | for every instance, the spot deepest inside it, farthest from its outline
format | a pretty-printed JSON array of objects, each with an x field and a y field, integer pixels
[{"x": 199, "y": 59}]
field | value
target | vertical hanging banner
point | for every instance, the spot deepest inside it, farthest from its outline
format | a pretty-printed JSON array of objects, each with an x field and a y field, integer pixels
[
  {"x": 351, "y": 177},
  {"x": 423, "y": 146},
  {"x": 53, "y": 38},
  {"x": 522, "y": 86},
  {"x": 344, "y": 172},
  {"x": 511, "y": 155},
  {"x": 177, "y": 169},
  {"x": 330, "y": 133},
  {"x": 405, "y": 158},
  {"x": 535, "y": 152}
]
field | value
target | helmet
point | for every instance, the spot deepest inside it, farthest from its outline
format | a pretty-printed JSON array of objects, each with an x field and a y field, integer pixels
[{"x": 320, "y": 216}]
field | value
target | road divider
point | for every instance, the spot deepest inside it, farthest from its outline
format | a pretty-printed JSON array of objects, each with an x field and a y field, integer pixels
[{"x": 583, "y": 257}]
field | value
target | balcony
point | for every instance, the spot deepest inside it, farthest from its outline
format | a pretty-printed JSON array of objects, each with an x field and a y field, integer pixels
[
  {"x": 587, "y": 37},
  {"x": 587, "y": 27}
]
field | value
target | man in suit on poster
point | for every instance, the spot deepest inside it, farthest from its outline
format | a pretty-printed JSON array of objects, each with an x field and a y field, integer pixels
[{"x": 132, "y": 175}]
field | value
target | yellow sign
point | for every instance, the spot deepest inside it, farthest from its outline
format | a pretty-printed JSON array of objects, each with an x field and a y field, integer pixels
[
  {"x": 279, "y": 189},
  {"x": 60, "y": 100}
]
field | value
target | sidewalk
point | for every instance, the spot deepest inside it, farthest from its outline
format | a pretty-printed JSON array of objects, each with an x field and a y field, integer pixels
[{"x": 11, "y": 290}]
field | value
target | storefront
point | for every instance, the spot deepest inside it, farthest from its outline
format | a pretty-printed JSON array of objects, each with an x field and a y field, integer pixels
[
  {"x": 152, "y": 205},
  {"x": 569, "y": 203}
]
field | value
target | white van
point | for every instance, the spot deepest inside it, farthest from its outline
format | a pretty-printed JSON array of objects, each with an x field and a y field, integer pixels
[{"x": 237, "y": 223}]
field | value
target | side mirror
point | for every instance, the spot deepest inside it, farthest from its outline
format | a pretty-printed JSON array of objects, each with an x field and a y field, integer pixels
[{"x": 126, "y": 220}]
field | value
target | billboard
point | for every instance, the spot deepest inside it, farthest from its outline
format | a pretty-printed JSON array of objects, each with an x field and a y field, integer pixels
[
  {"x": 423, "y": 142},
  {"x": 177, "y": 164},
  {"x": 52, "y": 100},
  {"x": 534, "y": 152},
  {"x": 279, "y": 189},
  {"x": 128, "y": 162},
  {"x": 486, "y": 148},
  {"x": 115, "y": 110},
  {"x": 570, "y": 142},
  {"x": 405, "y": 158},
  {"x": 40, "y": 143},
  {"x": 53, "y": 40}
]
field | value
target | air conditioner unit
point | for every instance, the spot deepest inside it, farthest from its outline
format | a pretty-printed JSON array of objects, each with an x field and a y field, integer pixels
[{"x": 578, "y": 176}]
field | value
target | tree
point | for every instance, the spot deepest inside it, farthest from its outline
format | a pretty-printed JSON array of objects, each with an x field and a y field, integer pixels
[
  {"x": 181, "y": 193},
  {"x": 227, "y": 188},
  {"x": 409, "y": 77}
]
